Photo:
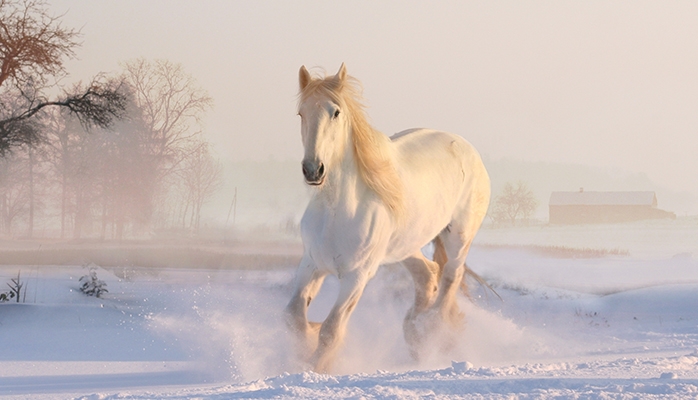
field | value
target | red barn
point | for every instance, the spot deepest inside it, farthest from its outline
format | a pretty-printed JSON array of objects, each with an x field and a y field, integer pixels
[{"x": 604, "y": 207}]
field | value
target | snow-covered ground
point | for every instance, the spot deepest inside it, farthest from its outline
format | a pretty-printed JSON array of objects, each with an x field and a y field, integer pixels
[{"x": 618, "y": 326}]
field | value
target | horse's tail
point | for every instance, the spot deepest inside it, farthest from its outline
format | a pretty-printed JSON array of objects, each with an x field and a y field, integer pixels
[
  {"x": 441, "y": 258},
  {"x": 478, "y": 279}
]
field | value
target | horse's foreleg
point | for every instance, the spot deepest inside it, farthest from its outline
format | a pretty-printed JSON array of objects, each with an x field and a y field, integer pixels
[
  {"x": 308, "y": 283},
  {"x": 334, "y": 327}
]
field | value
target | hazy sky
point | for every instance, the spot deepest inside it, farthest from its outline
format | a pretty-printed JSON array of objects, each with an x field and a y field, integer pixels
[{"x": 610, "y": 84}]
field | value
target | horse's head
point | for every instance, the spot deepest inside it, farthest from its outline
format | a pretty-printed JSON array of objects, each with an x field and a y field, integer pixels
[{"x": 324, "y": 123}]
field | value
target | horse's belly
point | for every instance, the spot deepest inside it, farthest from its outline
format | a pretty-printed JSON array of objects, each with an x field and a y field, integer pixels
[
  {"x": 405, "y": 242},
  {"x": 432, "y": 211}
]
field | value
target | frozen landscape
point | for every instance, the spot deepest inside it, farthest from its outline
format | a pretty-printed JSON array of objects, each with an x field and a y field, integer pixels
[
  {"x": 162, "y": 141},
  {"x": 586, "y": 312}
]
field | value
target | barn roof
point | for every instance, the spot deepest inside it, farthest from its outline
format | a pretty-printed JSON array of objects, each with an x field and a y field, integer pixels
[{"x": 603, "y": 198}]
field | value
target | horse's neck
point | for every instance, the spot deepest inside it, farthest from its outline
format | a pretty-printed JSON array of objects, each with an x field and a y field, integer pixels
[{"x": 344, "y": 185}]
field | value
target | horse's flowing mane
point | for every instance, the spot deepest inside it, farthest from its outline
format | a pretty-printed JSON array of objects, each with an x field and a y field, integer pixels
[{"x": 372, "y": 151}]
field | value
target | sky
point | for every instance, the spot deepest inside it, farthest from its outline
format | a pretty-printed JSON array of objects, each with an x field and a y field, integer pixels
[{"x": 611, "y": 84}]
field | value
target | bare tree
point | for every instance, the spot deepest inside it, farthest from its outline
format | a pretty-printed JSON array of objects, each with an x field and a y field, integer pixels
[
  {"x": 201, "y": 178},
  {"x": 60, "y": 141},
  {"x": 67, "y": 151},
  {"x": 515, "y": 201},
  {"x": 98, "y": 105},
  {"x": 33, "y": 45},
  {"x": 102, "y": 176},
  {"x": 14, "y": 191},
  {"x": 172, "y": 104},
  {"x": 126, "y": 175}
]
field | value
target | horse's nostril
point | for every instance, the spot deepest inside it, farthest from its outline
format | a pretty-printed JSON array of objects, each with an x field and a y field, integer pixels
[
  {"x": 321, "y": 170},
  {"x": 305, "y": 171}
]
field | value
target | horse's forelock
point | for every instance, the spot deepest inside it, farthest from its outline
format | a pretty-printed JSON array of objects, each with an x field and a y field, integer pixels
[{"x": 337, "y": 90}]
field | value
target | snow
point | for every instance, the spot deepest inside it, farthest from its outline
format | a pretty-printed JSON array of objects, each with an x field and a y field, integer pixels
[{"x": 618, "y": 326}]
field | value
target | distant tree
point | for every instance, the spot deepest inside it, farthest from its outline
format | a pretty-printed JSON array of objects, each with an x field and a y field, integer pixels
[
  {"x": 126, "y": 174},
  {"x": 101, "y": 175},
  {"x": 515, "y": 201},
  {"x": 14, "y": 191},
  {"x": 62, "y": 139},
  {"x": 201, "y": 177},
  {"x": 33, "y": 45},
  {"x": 172, "y": 106}
]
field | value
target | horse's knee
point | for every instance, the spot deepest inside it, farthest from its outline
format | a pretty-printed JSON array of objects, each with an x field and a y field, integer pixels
[
  {"x": 295, "y": 315},
  {"x": 331, "y": 332},
  {"x": 304, "y": 331}
]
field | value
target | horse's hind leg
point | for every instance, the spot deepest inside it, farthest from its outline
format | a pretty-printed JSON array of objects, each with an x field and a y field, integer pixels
[
  {"x": 455, "y": 241},
  {"x": 308, "y": 283},
  {"x": 425, "y": 275}
]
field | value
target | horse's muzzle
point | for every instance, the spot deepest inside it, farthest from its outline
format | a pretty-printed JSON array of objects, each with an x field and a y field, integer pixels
[{"x": 314, "y": 172}]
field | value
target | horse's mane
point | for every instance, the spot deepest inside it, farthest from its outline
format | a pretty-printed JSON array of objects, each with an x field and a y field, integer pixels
[{"x": 372, "y": 150}]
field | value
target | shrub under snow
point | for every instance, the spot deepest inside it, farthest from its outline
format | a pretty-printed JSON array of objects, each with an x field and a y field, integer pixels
[{"x": 91, "y": 285}]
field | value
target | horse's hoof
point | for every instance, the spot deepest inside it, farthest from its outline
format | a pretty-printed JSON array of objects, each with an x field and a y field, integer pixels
[
  {"x": 418, "y": 329},
  {"x": 436, "y": 329}
]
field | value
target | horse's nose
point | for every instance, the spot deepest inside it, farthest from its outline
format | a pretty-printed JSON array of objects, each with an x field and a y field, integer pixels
[{"x": 314, "y": 172}]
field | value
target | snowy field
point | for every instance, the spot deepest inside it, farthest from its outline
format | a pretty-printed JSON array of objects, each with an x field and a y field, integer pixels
[{"x": 569, "y": 325}]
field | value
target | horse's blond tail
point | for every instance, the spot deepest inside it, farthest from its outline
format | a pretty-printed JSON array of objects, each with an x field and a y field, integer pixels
[{"x": 440, "y": 257}]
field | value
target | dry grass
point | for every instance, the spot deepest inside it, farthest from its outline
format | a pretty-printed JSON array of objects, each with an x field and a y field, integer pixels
[
  {"x": 150, "y": 256},
  {"x": 239, "y": 256}
]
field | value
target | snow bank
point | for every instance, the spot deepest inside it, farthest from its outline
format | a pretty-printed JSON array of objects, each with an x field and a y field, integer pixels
[{"x": 616, "y": 326}]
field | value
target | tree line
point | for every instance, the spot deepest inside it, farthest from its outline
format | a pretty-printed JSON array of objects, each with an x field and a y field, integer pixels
[{"x": 117, "y": 157}]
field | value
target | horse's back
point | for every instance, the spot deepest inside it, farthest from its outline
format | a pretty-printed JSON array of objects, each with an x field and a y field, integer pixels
[
  {"x": 444, "y": 179},
  {"x": 456, "y": 161},
  {"x": 446, "y": 152}
]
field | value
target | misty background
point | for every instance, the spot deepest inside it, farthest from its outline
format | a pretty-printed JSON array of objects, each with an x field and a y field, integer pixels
[{"x": 558, "y": 95}]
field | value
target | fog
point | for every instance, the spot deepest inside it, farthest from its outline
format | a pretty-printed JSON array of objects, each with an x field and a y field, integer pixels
[
  {"x": 557, "y": 95},
  {"x": 604, "y": 86}
]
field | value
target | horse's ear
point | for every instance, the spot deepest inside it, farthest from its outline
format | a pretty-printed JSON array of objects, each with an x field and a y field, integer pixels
[
  {"x": 342, "y": 73},
  {"x": 303, "y": 77},
  {"x": 339, "y": 79}
]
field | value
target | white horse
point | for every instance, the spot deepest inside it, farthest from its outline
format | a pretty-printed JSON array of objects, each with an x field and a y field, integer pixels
[{"x": 379, "y": 200}]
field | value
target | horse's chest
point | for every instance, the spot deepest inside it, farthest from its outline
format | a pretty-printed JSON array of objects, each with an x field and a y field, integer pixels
[{"x": 338, "y": 242}]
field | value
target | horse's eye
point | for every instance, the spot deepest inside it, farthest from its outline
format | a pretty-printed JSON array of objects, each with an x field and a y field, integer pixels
[{"x": 336, "y": 114}]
